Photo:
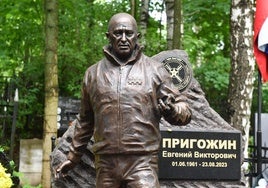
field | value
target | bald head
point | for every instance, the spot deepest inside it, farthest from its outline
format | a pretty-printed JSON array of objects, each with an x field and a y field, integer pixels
[{"x": 122, "y": 18}]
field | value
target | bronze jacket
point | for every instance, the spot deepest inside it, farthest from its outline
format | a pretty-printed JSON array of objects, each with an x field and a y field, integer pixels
[{"x": 119, "y": 106}]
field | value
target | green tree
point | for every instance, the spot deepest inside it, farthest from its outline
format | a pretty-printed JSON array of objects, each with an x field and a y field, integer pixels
[
  {"x": 21, "y": 56},
  {"x": 206, "y": 40}
]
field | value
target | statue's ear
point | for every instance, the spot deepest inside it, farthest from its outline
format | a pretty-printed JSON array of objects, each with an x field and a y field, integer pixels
[{"x": 139, "y": 35}]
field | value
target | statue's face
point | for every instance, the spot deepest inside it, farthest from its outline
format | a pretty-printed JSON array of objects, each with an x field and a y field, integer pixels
[{"x": 123, "y": 36}]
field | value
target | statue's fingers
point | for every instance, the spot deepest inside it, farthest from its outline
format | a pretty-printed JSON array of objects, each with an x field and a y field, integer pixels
[
  {"x": 56, "y": 173},
  {"x": 161, "y": 104}
]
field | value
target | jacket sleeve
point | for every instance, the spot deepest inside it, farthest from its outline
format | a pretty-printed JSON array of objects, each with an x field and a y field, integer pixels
[
  {"x": 84, "y": 126},
  {"x": 180, "y": 114}
]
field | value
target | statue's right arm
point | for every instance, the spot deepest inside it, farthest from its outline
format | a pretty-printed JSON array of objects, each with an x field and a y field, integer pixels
[
  {"x": 64, "y": 168},
  {"x": 84, "y": 128}
]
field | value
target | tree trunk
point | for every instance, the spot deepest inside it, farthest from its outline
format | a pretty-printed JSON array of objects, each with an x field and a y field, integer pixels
[
  {"x": 242, "y": 68},
  {"x": 170, "y": 22},
  {"x": 134, "y": 4},
  {"x": 177, "y": 42},
  {"x": 144, "y": 20},
  {"x": 51, "y": 86}
]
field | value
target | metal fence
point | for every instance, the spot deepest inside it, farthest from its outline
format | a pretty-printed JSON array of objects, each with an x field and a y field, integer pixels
[{"x": 8, "y": 112}]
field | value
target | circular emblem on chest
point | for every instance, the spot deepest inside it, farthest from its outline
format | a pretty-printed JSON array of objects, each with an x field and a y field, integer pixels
[{"x": 180, "y": 72}]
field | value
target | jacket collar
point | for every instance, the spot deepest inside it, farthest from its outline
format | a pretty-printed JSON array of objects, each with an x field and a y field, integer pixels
[{"x": 111, "y": 57}]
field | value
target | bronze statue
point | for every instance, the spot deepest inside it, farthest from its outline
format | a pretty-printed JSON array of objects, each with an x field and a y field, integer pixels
[{"x": 123, "y": 99}]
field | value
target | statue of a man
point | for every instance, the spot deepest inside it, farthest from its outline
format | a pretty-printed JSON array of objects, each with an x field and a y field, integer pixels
[{"x": 123, "y": 99}]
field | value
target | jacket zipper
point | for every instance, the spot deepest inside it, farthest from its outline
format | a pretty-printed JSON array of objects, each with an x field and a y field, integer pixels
[{"x": 119, "y": 109}]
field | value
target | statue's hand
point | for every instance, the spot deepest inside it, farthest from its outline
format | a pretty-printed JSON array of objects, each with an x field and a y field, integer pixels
[
  {"x": 167, "y": 106},
  {"x": 63, "y": 169}
]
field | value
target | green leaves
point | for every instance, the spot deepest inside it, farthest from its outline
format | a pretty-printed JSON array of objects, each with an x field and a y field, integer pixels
[{"x": 206, "y": 39}]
